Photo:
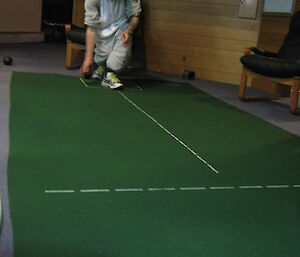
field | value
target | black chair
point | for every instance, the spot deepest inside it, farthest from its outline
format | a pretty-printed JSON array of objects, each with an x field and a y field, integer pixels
[
  {"x": 75, "y": 46},
  {"x": 282, "y": 67}
]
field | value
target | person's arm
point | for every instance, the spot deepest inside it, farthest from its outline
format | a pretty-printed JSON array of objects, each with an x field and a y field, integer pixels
[
  {"x": 90, "y": 42},
  {"x": 133, "y": 11},
  {"x": 92, "y": 21},
  {"x": 134, "y": 22}
]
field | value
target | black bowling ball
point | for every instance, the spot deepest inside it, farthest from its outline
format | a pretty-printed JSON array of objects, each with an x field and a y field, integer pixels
[{"x": 7, "y": 60}]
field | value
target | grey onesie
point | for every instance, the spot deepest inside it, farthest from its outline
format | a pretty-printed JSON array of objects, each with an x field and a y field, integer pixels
[{"x": 110, "y": 18}]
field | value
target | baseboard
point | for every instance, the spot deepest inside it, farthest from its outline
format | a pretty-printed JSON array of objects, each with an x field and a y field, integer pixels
[{"x": 21, "y": 37}]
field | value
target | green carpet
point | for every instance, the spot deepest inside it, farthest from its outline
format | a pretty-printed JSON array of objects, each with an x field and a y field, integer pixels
[{"x": 143, "y": 151}]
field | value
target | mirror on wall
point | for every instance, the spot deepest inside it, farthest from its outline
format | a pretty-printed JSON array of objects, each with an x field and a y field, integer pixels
[{"x": 284, "y": 7}]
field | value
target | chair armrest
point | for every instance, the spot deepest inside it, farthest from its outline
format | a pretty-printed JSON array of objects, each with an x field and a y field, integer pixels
[
  {"x": 262, "y": 52},
  {"x": 67, "y": 27},
  {"x": 247, "y": 51}
]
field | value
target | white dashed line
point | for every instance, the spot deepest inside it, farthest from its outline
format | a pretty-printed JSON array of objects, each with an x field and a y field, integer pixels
[
  {"x": 277, "y": 186},
  {"x": 59, "y": 191},
  {"x": 129, "y": 189},
  {"x": 251, "y": 187},
  {"x": 153, "y": 189},
  {"x": 94, "y": 190},
  {"x": 221, "y": 188},
  {"x": 192, "y": 188},
  {"x": 162, "y": 189}
]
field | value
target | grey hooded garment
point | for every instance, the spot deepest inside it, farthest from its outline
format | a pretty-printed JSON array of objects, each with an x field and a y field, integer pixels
[{"x": 107, "y": 16}]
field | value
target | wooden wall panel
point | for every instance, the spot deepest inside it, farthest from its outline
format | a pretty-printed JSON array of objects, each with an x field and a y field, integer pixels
[
  {"x": 78, "y": 13},
  {"x": 20, "y": 16},
  {"x": 205, "y": 36}
]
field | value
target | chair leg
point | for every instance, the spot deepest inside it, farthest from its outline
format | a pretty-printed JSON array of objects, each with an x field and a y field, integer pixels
[
  {"x": 243, "y": 83},
  {"x": 294, "y": 96},
  {"x": 74, "y": 56},
  {"x": 242, "y": 90},
  {"x": 69, "y": 55}
]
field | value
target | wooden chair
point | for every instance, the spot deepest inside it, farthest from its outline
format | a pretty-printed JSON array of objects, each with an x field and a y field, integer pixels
[
  {"x": 282, "y": 67},
  {"x": 75, "y": 46},
  {"x": 75, "y": 34}
]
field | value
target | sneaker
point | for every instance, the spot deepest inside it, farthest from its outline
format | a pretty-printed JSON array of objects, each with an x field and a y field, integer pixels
[
  {"x": 98, "y": 73},
  {"x": 112, "y": 81}
]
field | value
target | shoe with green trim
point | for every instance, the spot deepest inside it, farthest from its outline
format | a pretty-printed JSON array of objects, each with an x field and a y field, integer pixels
[
  {"x": 99, "y": 73},
  {"x": 112, "y": 81}
]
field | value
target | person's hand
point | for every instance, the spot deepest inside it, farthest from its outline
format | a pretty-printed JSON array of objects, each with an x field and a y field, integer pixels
[
  {"x": 125, "y": 37},
  {"x": 85, "y": 67}
]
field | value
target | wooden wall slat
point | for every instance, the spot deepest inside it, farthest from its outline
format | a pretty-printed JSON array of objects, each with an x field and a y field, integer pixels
[
  {"x": 194, "y": 40},
  {"x": 204, "y": 20},
  {"x": 194, "y": 51},
  {"x": 205, "y": 74},
  {"x": 209, "y": 62},
  {"x": 225, "y": 8},
  {"x": 201, "y": 30}
]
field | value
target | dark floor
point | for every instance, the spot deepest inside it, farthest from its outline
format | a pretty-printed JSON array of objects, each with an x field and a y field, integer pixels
[{"x": 49, "y": 58}]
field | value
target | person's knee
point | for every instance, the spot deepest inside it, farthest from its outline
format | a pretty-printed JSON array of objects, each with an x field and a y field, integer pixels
[
  {"x": 117, "y": 63},
  {"x": 115, "y": 66}
]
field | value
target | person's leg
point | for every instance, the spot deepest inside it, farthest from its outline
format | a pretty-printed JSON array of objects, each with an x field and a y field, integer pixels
[
  {"x": 116, "y": 61},
  {"x": 120, "y": 54},
  {"x": 98, "y": 71},
  {"x": 102, "y": 50}
]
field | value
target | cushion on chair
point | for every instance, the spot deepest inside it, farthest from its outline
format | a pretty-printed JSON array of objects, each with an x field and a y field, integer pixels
[
  {"x": 273, "y": 67},
  {"x": 76, "y": 35}
]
